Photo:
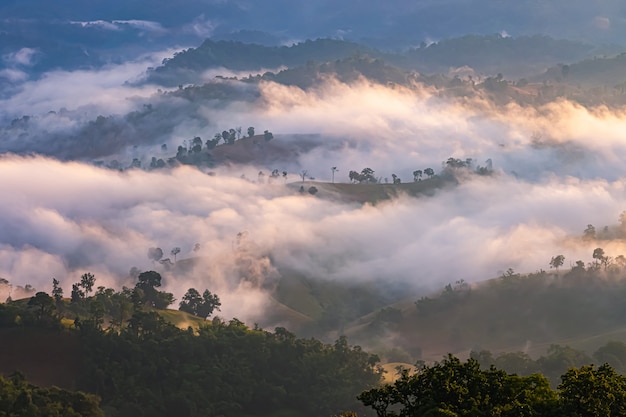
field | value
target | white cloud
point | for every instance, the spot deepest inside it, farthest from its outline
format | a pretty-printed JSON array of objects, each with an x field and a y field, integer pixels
[{"x": 77, "y": 218}]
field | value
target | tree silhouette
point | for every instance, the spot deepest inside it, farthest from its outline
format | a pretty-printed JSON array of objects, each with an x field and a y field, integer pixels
[
  {"x": 556, "y": 262},
  {"x": 87, "y": 281},
  {"x": 589, "y": 233},
  {"x": 155, "y": 254},
  {"x": 175, "y": 251},
  {"x": 44, "y": 304},
  {"x": 57, "y": 291},
  {"x": 201, "y": 306}
]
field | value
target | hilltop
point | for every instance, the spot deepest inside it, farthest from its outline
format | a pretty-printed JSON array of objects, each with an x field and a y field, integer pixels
[{"x": 516, "y": 57}]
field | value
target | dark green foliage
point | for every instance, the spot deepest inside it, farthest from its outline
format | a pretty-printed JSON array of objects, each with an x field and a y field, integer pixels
[
  {"x": 453, "y": 388},
  {"x": 57, "y": 291},
  {"x": 87, "y": 282},
  {"x": 366, "y": 175},
  {"x": 44, "y": 305},
  {"x": 77, "y": 294},
  {"x": 18, "y": 398},
  {"x": 146, "y": 292},
  {"x": 613, "y": 353},
  {"x": 597, "y": 392},
  {"x": 201, "y": 306},
  {"x": 237, "y": 55},
  {"x": 225, "y": 369},
  {"x": 557, "y": 361}
]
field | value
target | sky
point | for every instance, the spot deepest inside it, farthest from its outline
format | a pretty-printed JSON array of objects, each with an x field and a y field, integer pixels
[{"x": 557, "y": 168}]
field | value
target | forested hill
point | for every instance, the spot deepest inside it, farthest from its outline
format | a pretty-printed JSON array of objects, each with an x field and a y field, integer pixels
[
  {"x": 251, "y": 57},
  {"x": 490, "y": 54},
  {"x": 120, "y": 347}
]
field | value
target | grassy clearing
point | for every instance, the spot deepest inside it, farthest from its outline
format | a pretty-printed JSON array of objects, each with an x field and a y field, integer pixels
[
  {"x": 372, "y": 193},
  {"x": 181, "y": 319}
]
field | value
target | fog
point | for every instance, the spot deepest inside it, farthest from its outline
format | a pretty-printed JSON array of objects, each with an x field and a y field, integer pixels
[{"x": 557, "y": 168}]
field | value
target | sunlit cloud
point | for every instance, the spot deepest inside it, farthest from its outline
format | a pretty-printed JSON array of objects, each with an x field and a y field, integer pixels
[{"x": 557, "y": 168}]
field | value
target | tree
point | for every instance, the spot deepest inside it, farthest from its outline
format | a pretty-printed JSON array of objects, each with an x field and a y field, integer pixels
[
  {"x": 396, "y": 179},
  {"x": 155, "y": 254},
  {"x": 367, "y": 175},
  {"x": 312, "y": 190},
  {"x": 87, "y": 281},
  {"x": 226, "y": 136},
  {"x": 148, "y": 280},
  {"x": 430, "y": 172},
  {"x": 57, "y": 291},
  {"x": 190, "y": 301},
  {"x": 250, "y": 131},
  {"x": 44, "y": 304},
  {"x": 77, "y": 294},
  {"x": 146, "y": 291},
  {"x": 303, "y": 174},
  {"x": 452, "y": 388},
  {"x": 589, "y": 233},
  {"x": 556, "y": 262},
  {"x": 267, "y": 135},
  {"x": 593, "y": 392},
  {"x": 210, "y": 303},
  {"x": 175, "y": 251},
  {"x": 212, "y": 143},
  {"x": 613, "y": 353},
  {"x": 417, "y": 175},
  {"x": 601, "y": 258},
  {"x": 333, "y": 170},
  {"x": 201, "y": 306}
]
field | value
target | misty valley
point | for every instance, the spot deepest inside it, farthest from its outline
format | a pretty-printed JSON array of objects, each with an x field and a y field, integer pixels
[{"x": 223, "y": 209}]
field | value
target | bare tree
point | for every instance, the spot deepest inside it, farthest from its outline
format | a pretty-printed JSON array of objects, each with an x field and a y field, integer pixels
[{"x": 303, "y": 174}]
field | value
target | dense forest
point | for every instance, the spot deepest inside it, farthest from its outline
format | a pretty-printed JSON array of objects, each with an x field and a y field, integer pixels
[
  {"x": 134, "y": 362},
  {"x": 141, "y": 365}
]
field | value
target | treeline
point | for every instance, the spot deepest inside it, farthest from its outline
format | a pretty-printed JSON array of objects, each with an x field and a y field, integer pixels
[
  {"x": 557, "y": 360},
  {"x": 225, "y": 368},
  {"x": 453, "y": 388},
  {"x": 241, "y": 56},
  {"x": 449, "y": 169},
  {"x": 193, "y": 152},
  {"x": 91, "y": 306},
  {"x": 486, "y": 54},
  {"x": 142, "y": 365},
  {"x": 19, "y": 398}
]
